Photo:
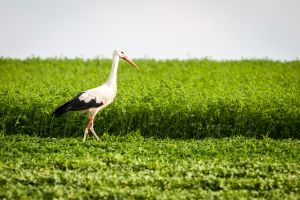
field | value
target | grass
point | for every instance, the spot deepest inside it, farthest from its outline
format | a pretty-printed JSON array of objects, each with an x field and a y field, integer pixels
[
  {"x": 175, "y": 99},
  {"x": 135, "y": 167},
  {"x": 195, "y": 129}
]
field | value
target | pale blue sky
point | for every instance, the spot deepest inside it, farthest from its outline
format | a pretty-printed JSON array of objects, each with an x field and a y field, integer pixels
[{"x": 219, "y": 29}]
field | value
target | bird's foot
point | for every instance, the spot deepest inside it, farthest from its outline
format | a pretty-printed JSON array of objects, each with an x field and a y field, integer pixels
[
  {"x": 85, "y": 134},
  {"x": 95, "y": 135}
]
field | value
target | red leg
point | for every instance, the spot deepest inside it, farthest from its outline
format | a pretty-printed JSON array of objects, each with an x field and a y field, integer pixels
[
  {"x": 90, "y": 122},
  {"x": 93, "y": 131}
]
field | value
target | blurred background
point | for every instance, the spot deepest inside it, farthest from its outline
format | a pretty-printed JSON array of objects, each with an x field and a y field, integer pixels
[{"x": 161, "y": 29}]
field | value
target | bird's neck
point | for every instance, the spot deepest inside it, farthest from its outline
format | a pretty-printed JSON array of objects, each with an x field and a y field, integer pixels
[{"x": 112, "y": 79}]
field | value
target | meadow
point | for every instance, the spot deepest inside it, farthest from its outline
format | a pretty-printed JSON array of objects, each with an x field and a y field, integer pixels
[
  {"x": 175, "y": 99},
  {"x": 177, "y": 130},
  {"x": 135, "y": 167}
]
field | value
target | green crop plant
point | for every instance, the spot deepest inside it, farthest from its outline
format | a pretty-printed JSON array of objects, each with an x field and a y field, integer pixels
[
  {"x": 134, "y": 167},
  {"x": 194, "y": 129},
  {"x": 172, "y": 98}
]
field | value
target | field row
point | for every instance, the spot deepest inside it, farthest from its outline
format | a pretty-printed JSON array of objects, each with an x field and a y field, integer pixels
[
  {"x": 136, "y": 167},
  {"x": 175, "y": 99}
]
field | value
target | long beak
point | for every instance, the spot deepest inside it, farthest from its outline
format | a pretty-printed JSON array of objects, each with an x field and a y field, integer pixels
[{"x": 130, "y": 61}]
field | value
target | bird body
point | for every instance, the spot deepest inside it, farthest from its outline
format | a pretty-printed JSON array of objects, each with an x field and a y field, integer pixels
[
  {"x": 90, "y": 101},
  {"x": 93, "y": 100}
]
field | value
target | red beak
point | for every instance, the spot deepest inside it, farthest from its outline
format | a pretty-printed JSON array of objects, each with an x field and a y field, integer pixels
[{"x": 130, "y": 61}]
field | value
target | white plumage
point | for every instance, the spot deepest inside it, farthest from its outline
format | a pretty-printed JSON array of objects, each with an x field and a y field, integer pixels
[
  {"x": 103, "y": 93},
  {"x": 94, "y": 100}
]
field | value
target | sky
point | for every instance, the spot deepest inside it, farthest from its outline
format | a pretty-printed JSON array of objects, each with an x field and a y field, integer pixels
[{"x": 160, "y": 29}]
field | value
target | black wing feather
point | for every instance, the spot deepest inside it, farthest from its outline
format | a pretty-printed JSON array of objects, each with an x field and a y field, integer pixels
[{"x": 76, "y": 105}]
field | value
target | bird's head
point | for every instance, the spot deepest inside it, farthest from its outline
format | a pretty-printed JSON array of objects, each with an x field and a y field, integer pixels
[{"x": 123, "y": 56}]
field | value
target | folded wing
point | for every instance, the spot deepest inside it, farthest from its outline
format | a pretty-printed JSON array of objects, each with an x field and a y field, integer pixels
[{"x": 81, "y": 102}]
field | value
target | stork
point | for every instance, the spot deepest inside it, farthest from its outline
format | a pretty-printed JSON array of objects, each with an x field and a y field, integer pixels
[{"x": 93, "y": 100}]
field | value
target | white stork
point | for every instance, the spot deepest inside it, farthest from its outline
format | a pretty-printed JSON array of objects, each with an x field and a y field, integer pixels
[{"x": 93, "y": 100}]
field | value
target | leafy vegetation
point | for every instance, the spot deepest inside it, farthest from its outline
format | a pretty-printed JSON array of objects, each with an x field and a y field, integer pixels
[
  {"x": 175, "y": 99},
  {"x": 195, "y": 129},
  {"x": 132, "y": 166}
]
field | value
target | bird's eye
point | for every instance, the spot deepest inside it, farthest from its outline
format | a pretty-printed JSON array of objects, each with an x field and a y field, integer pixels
[{"x": 122, "y": 52}]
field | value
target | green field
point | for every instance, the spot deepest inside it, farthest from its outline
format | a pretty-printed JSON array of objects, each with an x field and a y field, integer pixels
[
  {"x": 177, "y": 130},
  {"x": 132, "y": 166}
]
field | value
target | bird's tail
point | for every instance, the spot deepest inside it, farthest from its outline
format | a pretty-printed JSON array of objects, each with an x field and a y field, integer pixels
[{"x": 62, "y": 109}]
